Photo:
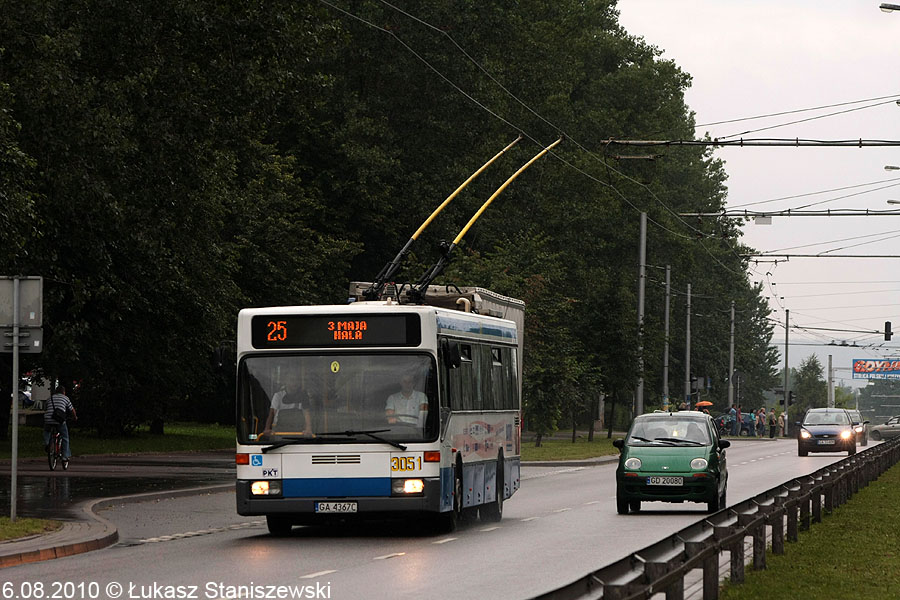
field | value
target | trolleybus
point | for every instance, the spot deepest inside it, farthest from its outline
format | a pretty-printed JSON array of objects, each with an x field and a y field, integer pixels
[{"x": 379, "y": 408}]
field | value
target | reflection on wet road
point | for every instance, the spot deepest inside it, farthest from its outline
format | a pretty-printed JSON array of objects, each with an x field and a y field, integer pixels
[{"x": 55, "y": 494}]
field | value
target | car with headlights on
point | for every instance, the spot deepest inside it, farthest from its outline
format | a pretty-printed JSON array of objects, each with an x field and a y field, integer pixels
[
  {"x": 671, "y": 457},
  {"x": 826, "y": 430},
  {"x": 860, "y": 425}
]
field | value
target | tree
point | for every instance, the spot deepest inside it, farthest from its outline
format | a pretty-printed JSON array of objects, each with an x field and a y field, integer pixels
[{"x": 811, "y": 391}]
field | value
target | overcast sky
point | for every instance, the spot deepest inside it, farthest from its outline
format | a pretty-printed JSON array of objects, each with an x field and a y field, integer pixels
[{"x": 759, "y": 57}]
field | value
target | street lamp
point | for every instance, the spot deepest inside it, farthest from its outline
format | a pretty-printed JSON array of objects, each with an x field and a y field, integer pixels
[{"x": 889, "y": 7}]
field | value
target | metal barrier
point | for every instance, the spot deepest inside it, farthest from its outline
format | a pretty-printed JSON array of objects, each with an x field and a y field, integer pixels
[{"x": 662, "y": 567}]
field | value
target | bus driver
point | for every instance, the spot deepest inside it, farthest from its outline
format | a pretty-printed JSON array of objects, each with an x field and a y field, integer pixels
[{"x": 408, "y": 405}]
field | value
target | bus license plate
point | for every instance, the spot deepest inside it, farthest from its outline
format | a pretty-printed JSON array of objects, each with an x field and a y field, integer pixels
[
  {"x": 335, "y": 507},
  {"x": 826, "y": 442},
  {"x": 665, "y": 481}
]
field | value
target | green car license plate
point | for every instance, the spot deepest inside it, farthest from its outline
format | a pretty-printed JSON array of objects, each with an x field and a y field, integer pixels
[{"x": 665, "y": 481}]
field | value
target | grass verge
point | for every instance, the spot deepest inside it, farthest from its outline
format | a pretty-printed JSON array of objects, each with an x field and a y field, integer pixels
[
  {"x": 851, "y": 554},
  {"x": 25, "y": 527},
  {"x": 177, "y": 437},
  {"x": 566, "y": 450}
]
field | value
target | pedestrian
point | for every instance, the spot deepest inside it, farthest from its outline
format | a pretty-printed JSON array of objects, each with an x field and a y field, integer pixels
[
  {"x": 781, "y": 425},
  {"x": 682, "y": 406},
  {"x": 752, "y": 424},
  {"x": 761, "y": 422},
  {"x": 731, "y": 420},
  {"x": 740, "y": 421},
  {"x": 772, "y": 423}
]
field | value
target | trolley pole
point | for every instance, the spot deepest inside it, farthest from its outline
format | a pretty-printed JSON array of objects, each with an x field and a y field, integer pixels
[
  {"x": 666, "y": 341},
  {"x": 731, "y": 361},
  {"x": 787, "y": 396},
  {"x": 642, "y": 278},
  {"x": 687, "y": 351}
]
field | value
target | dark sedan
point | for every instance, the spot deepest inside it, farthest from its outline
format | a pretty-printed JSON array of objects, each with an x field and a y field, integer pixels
[{"x": 826, "y": 430}]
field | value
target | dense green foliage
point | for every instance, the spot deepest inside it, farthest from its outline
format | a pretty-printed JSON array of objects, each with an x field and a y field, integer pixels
[{"x": 163, "y": 165}]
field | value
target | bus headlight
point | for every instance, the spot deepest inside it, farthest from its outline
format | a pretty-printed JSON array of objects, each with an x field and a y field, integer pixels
[
  {"x": 268, "y": 487},
  {"x": 407, "y": 487}
]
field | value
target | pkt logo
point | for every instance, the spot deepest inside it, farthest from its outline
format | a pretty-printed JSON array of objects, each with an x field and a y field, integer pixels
[{"x": 270, "y": 473}]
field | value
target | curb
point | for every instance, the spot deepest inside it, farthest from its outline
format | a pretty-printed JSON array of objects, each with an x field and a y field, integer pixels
[
  {"x": 584, "y": 462},
  {"x": 101, "y": 532}
]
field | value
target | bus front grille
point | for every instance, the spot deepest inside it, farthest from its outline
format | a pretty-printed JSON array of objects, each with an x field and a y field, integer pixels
[{"x": 335, "y": 459}]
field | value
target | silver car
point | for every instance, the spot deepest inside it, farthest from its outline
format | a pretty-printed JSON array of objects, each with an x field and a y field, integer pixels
[
  {"x": 861, "y": 427},
  {"x": 888, "y": 431}
]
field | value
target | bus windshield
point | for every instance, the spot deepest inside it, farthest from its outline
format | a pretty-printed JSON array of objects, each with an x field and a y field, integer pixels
[{"x": 312, "y": 396}]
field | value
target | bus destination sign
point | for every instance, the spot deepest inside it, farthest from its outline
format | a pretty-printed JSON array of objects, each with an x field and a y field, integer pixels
[{"x": 335, "y": 331}]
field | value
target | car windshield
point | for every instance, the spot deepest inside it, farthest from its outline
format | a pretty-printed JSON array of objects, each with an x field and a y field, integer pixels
[
  {"x": 355, "y": 398},
  {"x": 826, "y": 418},
  {"x": 854, "y": 416},
  {"x": 668, "y": 431}
]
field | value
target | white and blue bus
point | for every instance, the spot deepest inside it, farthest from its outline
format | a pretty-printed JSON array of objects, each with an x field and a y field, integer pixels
[{"x": 380, "y": 408}]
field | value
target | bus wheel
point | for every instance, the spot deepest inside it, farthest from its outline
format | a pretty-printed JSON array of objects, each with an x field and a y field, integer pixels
[
  {"x": 278, "y": 524},
  {"x": 493, "y": 512},
  {"x": 448, "y": 521}
]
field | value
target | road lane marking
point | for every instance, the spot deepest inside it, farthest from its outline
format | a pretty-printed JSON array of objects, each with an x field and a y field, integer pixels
[
  {"x": 592, "y": 502},
  {"x": 560, "y": 510},
  {"x": 444, "y": 541},
  {"x": 556, "y": 472},
  {"x": 386, "y": 556},
  {"x": 490, "y": 528},
  {"x": 530, "y": 519},
  {"x": 187, "y": 534},
  {"x": 318, "y": 574}
]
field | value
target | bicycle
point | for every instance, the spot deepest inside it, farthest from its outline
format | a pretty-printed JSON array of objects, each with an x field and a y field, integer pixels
[{"x": 54, "y": 450}]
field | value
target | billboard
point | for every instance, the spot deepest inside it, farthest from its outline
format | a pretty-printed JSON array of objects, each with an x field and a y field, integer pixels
[{"x": 885, "y": 368}]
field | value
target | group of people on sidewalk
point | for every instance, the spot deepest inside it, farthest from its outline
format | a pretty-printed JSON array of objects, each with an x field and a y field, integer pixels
[{"x": 756, "y": 422}]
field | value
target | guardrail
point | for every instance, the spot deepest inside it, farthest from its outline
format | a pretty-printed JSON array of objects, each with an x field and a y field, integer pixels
[{"x": 663, "y": 566}]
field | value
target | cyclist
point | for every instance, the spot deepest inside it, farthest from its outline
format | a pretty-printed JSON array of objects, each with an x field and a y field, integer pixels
[{"x": 61, "y": 401}]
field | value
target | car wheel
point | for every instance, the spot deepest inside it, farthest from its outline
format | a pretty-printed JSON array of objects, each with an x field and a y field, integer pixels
[
  {"x": 802, "y": 452},
  {"x": 634, "y": 505},
  {"x": 713, "y": 505},
  {"x": 852, "y": 450},
  {"x": 621, "y": 505},
  {"x": 876, "y": 436},
  {"x": 723, "y": 500}
]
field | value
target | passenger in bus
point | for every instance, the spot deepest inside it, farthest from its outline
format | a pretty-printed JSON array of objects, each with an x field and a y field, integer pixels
[
  {"x": 289, "y": 412},
  {"x": 408, "y": 406}
]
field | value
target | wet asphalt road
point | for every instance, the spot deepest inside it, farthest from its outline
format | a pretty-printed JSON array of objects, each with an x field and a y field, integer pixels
[{"x": 55, "y": 494}]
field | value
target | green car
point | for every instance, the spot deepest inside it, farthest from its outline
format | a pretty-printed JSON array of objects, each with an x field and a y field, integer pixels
[{"x": 671, "y": 457}]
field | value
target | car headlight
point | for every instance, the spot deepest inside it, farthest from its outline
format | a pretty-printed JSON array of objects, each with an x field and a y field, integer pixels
[
  {"x": 698, "y": 464},
  {"x": 846, "y": 434},
  {"x": 859, "y": 429},
  {"x": 633, "y": 463},
  {"x": 805, "y": 434}
]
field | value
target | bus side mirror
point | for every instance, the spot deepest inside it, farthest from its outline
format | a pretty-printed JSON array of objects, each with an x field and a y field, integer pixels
[{"x": 452, "y": 356}]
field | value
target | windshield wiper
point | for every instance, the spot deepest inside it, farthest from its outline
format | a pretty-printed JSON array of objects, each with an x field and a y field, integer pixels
[
  {"x": 668, "y": 439},
  {"x": 287, "y": 441},
  {"x": 371, "y": 433}
]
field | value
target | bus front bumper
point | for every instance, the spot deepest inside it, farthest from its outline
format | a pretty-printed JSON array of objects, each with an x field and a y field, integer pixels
[{"x": 249, "y": 505}]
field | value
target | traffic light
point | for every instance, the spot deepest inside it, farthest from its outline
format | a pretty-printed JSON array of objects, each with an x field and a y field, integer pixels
[
  {"x": 790, "y": 398},
  {"x": 887, "y": 331}
]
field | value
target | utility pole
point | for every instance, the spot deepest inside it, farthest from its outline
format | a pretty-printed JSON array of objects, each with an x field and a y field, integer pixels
[
  {"x": 787, "y": 395},
  {"x": 830, "y": 384},
  {"x": 642, "y": 278},
  {"x": 666, "y": 341},
  {"x": 687, "y": 351},
  {"x": 731, "y": 361}
]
